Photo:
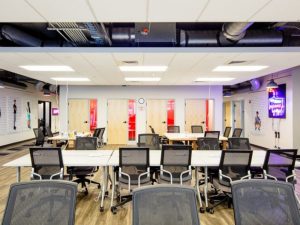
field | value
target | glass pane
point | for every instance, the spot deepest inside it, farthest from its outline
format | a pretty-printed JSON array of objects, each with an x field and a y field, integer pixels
[
  {"x": 171, "y": 113},
  {"x": 131, "y": 119},
  {"x": 93, "y": 114}
]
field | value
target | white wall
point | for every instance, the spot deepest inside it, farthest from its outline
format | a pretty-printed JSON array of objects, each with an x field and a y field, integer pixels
[
  {"x": 34, "y": 96},
  {"x": 258, "y": 101},
  {"x": 296, "y": 108},
  {"x": 179, "y": 93}
]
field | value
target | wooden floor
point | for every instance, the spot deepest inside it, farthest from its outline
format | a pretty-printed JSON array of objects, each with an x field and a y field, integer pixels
[{"x": 87, "y": 209}]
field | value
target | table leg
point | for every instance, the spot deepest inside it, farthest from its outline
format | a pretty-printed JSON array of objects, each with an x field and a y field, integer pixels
[
  {"x": 206, "y": 186},
  {"x": 113, "y": 188},
  {"x": 18, "y": 174},
  {"x": 197, "y": 188},
  {"x": 104, "y": 180}
]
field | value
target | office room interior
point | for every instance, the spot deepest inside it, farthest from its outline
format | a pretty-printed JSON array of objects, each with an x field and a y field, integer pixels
[{"x": 150, "y": 112}]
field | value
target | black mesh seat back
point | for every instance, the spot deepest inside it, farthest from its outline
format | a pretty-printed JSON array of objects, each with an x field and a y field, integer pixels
[
  {"x": 96, "y": 132},
  {"x": 173, "y": 129},
  {"x": 101, "y": 133},
  {"x": 235, "y": 164},
  {"x": 40, "y": 138},
  {"x": 46, "y": 161},
  {"x": 86, "y": 143},
  {"x": 239, "y": 143},
  {"x": 49, "y": 131},
  {"x": 41, "y": 202},
  {"x": 36, "y": 132},
  {"x": 174, "y": 147},
  {"x": 150, "y": 141},
  {"x": 280, "y": 163},
  {"x": 152, "y": 129},
  {"x": 237, "y": 132},
  {"x": 166, "y": 205},
  {"x": 176, "y": 161},
  {"x": 134, "y": 161},
  {"x": 208, "y": 143},
  {"x": 213, "y": 134},
  {"x": 264, "y": 202},
  {"x": 197, "y": 129},
  {"x": 227, "y": 132}
]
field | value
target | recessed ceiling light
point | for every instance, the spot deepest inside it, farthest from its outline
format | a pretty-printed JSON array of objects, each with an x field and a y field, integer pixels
[
  {"x": 143, "y": 68},
  {"x": 75, "y": 79},
  {"x": 142, "y": 79},
  {"x": 48, "y": 68},
  {"x": 1, "y": 86},
  {"x": 213, "y": 79},
  {"x": 239, "y": 68}
]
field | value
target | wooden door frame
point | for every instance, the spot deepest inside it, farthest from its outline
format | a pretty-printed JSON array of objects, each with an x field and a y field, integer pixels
[{"x": 88, "y": 108}]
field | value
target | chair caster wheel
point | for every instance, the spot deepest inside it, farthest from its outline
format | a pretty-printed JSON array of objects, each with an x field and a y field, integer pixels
[
  {"x": 106, "y": 194},
  {"x": 202, "y": 210},
  {"x": 113, "y": 210},
  {"x": 101, "y": 209},
  {"x": 210, "y": 210},
  {"x": 99, "y": 186}
]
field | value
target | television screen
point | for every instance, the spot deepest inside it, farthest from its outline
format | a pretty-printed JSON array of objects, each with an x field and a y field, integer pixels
[
  {"x": 55, "y": 111},
  {"x": 277, "y": 102}
]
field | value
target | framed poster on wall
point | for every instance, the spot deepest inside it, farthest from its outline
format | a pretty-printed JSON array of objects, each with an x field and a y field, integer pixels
[{"x": 277, "y": 102}]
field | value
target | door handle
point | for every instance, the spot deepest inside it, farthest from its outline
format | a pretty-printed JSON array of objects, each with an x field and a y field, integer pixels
[
  {"x": 203, "y": 122},
  {"x": 124, "y": 121},
  {"x": 163, "y": 121},
  {"x": 85, "y": 122}
]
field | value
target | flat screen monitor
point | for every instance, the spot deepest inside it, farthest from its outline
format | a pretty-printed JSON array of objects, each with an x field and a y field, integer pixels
[{"x": 277, "y": 102}]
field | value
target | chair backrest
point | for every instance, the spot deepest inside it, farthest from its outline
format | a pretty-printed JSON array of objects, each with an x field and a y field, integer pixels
[
  {"x": 197, "y": 129},
  {"x": 39, "y": 136},
  {"x": 227, "y": 132},
  {"x": 235, "y": 164},
  {"x": 280, "y": 163},
  {"x": 46, "y": 162},
  {"x": 264, "y": 202},
  {"x": 96, "y": 132},
  {"x": 237, "y": 132},
  {"x": 208, "y": 143},
  {"x": 164, "y": 204},
  {"x": 239, "y": 143},
  {"x": 173, "y": 129},
  {"x": 150, "y": 141},
  {"x": 101, "y": 133},
  {"x": 38, "y": 202},
  {"x": 175, "y": 147},
  {"x": 86, "y": 143},
  {"x": 152, "y": 129},
  {"x": 213, "y": 134},
  {"x": 49, "y": 131}
]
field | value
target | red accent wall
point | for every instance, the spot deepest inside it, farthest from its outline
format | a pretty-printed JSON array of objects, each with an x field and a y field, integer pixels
[
  {"x": 131, "y": 120},
  {"x": 171, "y": 112},
  {"x": 93, "y": 114}
]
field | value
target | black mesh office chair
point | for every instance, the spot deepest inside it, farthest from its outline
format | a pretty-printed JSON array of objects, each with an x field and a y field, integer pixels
[
  {"x": 81, "y": 173},
  {"x": 208, "y": 143},
  {"x": 162, "y": 139},
  {"x": 100, "y": 136},
  {"x": 152, "y": 129},
  {"x": 175, "y": 165},
  {"x": 165, "y": 204},
  {"x": 50, "y": 134},
  {"x": 133, "y": 172},
  {"x": 96, "y": 132},
  {"x": 150, "y": 141},
  {"x": 234, "y": 165},
  {"x": 197, "y": 129},
  {"x": 237, "y": 132},
  {"x": 212, "y": 134},
  {"x": 173, "y": 129},
  {"x": 280, "y": 165},
  {"x": 227, "y": 132},
  {"x": 47, "y": 163},
  {"x": 41, "y": 202},
  {"x": 239, "y": 143},
  {"x": 39, "y": 137},
  {"x": 264, "y": 202}
]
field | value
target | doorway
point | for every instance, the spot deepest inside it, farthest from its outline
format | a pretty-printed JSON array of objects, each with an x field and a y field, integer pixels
[
  {"x": 238, "y": 114},
  {"x": 44, "y": 115},
  {"x": 227, "y": 114}
]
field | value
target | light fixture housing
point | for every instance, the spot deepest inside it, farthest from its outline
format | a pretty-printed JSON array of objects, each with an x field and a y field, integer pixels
[
  {"x": 227, "y": 94},
  {"x": 48, "y": 68},
  {"x": 143, "y": 68},
  {"x": 142, "y": 79},
  {"x": 214, "y": 79},
  {"x": 272, "y": 84},
  {"x": 228, "y": 68},
  {"x": 71, "y": 79}
]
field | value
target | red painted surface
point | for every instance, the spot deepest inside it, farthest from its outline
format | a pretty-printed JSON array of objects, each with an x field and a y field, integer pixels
[
  {"x": 93, "y": 114},
  {"x": 171, "y": 112},
  {"x": 131, "y": 120},
  {"x": 207, "y": 115}
]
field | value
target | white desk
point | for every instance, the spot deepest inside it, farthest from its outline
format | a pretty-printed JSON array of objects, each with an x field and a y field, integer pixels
[
  {"x": 73, "y": 158},
  {"x": 188, "y": 136}
]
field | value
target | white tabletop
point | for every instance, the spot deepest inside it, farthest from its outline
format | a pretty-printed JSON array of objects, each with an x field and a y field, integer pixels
[
  {"x": 61, "y": 137},
  {"x": 188, "y": 136},
  {"x": 71, "y": 158}
]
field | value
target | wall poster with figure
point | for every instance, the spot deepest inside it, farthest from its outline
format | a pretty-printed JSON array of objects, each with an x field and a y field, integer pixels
[{"x": 14, "y": 113}]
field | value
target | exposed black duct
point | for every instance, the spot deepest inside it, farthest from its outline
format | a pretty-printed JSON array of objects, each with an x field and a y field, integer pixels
[
  {"x": 12, "y": 83},
  {"x": 123, "y": 36},
  {"x": 198, "y": 38}
]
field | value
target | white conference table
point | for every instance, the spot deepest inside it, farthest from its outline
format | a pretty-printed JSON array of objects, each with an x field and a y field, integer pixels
[
  {"x": 188, "y": 136},
  {"x": 73, "y": 158}
]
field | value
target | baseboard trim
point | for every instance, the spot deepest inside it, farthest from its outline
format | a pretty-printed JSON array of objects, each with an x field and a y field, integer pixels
[{"x": 19, "y": 142}]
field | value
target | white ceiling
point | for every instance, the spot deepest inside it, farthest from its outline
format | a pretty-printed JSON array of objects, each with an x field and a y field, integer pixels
[
  {"x": 185, "y": 64},
  {"x": 149, "y": 10}
]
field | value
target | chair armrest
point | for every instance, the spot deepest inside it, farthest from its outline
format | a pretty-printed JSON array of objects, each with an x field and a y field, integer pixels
[
  {"x": 290, "y": 176},
  {"x": 60, "y": 174},
  {"x": 268, "y": 175},
  {"x": 182, "y": 173},
  {"x": 35, "y": 174},
  {"x": 127, "y": 175},
  {"x": 222, "y": 175},
  {"x": 247, "y": 176},
  {"x": 168, "y": 172},
  {"x": 142, "y": 174}
]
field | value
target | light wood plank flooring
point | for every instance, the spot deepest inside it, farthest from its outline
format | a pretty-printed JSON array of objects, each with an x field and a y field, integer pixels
[{"x": 87, "y": 210}]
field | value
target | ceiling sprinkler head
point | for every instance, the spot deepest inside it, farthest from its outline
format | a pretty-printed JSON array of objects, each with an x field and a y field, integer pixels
[{"x": 144, "y": 31}]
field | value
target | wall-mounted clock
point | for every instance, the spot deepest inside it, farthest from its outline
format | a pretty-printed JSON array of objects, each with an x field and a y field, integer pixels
[{"x": 141, "y": 100}]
